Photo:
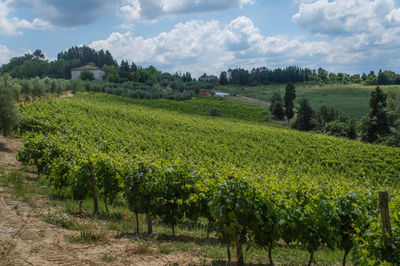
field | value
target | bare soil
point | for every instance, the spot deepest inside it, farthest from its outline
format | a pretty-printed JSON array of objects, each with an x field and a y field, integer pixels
[
  {"x": 8, "y": 151},
  {"x": 26, "y": 239}
]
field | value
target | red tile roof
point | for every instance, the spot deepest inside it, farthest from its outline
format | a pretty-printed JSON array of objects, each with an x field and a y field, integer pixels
[{"x": 87, "y": 67}]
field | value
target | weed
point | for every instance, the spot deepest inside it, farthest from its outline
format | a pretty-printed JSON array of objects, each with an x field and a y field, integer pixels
[
  {"x": 6, "y": 248},
  {"x": 17, "y": 180},
  {"x": 34, "y": 250},
  {"x": 108, "y": 258},
  {"x": 164, "y": 249},
  {"x": 141, "y": 247},
  {"x": 122, "y": 226},
  {"x": 88, "y": 237}
]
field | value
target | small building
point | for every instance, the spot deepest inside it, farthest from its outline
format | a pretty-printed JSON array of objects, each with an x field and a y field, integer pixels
[
  {"x": 221, "y": 94},
  {"x": 205, "y": 92},
  {"x": 98, "y": 73}
]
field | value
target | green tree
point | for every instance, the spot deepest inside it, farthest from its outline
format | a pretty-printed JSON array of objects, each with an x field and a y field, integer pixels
[
  {"x": 322, "y": 74},
  {"x": 223, "y": 78},
  {"x": 9, "y": 115},
  {"x": 304, "y": 116},
  {"x": 377, "y": 122},
  {"x": 37, "y": 54},
  {"x": 112, "y": 73},
  {"x": 290, "y": 95},
  {"x": 276, "y": 97},
  {"x": 371, "y": 79},
  {"x": 351, "y": 130},
  {"x": 326, "y": 115},
  {"x": 278, "y": 111},
  {"x": 125, "y": 71},
  {"x": 86, "y": 75}
]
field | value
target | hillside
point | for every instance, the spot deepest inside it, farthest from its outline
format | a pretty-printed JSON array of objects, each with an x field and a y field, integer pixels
[
  {"x": 260, "y": 147},
  {"x": 203, "y": 168}
]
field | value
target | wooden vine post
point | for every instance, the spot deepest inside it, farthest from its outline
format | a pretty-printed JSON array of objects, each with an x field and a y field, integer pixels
[
  {"x": 93, "y": 179},
  {"x": 384, "y": 208},
  {"x": 148, "y": 214}
]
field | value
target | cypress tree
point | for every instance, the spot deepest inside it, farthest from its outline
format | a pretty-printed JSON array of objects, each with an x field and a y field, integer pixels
[
  {"x": 304, "y": 116},
  {"x": 278, "y": 111},
  {"x": 377, "y": 122},
  {"x": 290, "y": 95}
]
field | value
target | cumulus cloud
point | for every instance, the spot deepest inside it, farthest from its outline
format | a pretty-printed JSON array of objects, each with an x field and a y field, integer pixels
[
  {"x": 201, "y": 47},
  {"x": 187, "y": 44},
  {"x": 5, "y": 54},
  {"x": 12, "y": 25},
  {"x": 360, "y": 31},
  {"x": 151, "y": 10},
  {"x": 348, "y": 17}
]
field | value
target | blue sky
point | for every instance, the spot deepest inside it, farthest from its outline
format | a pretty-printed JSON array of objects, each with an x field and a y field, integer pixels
[{"x": 198, "y": 36}]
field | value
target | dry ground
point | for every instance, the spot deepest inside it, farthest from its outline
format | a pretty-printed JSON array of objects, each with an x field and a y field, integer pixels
[{"x": 26, "y": 239}]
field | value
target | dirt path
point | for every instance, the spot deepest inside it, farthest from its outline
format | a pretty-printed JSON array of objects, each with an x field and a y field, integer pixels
[
  {"x": 26, "y": 239},
  {"x": 8, "y": 151}
]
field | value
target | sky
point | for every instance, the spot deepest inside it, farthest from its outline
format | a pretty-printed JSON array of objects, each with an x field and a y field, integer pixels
[{"x": 208, "y": 36}]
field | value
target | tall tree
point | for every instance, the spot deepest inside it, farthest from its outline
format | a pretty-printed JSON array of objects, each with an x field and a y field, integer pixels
[
  {"x": 304, "y": 116},
  {"x": 278, "y": 111},
  {"x": 133, "y": 67},
  {"x": 125, "y": 71},
  {"x": 322, "y": 74},
  {"x": 37, "y": 54},
  {"x": 377, "y": 122},
  {"x": 290, "y": 95},
  {"x": 223, "y": 78},
  {"x": 276, "y": 97}
]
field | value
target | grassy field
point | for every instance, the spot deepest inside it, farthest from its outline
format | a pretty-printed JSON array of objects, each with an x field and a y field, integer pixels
[
  {"x": 253, "y": 112},
  {"x": 352, "y": 99}
]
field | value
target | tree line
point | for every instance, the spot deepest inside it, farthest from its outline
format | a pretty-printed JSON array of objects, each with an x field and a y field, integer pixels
[
  {"x": 295, "y": 74},
  {"x": 36, "y": 65}
]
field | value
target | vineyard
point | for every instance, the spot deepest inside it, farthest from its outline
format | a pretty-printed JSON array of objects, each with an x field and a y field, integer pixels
[{"x": 255, "y": 183}]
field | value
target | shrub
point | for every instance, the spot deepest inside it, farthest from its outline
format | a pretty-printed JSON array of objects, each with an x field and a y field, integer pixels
[
  {"x": 215, "y": 112},
  {"x": 86, "y": 75}
]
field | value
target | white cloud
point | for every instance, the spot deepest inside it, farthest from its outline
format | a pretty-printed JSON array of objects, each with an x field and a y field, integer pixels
[
  {"x": 187, "y": 45},
  {"x": 5, "y": 54},
  {"x": 199, "y": 47},
  {"x": 359, "y": 31},
  {"x": 348, "y": 17},
  {"x": 151, "y": 10},
  {"x": 13, "y": 25}
]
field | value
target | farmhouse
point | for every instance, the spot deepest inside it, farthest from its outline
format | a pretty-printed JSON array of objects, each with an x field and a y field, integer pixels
[{"x": 98, "y": 73}]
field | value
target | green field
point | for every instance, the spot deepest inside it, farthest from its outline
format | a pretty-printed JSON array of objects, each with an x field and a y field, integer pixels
[
  {"x": 203, "y": 105},
  {"x": 246, "y": 177},
  {"x": 352, "y": 99}
]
